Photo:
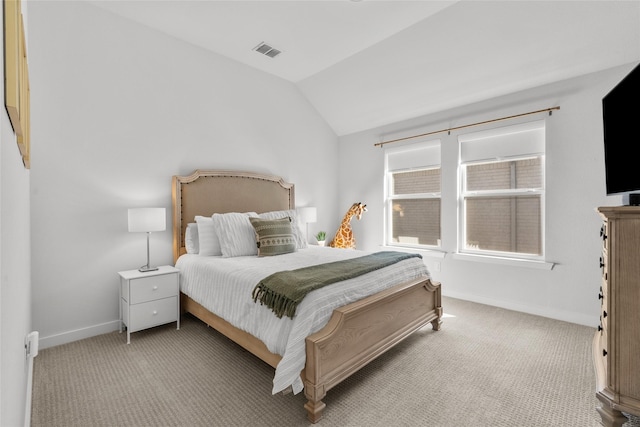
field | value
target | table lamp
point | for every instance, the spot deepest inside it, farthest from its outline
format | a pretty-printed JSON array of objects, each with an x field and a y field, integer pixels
[{"x": 147, "y": 220}]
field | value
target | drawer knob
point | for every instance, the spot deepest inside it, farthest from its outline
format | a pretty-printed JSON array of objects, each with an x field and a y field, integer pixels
[
  {"x": 604, "y": 313},
  {"x": 155, "y": 312},
  {"x": 599, "y": 328},
  {"x": 601, "y": 262},
  {"x": 600, "y": 296},
  {"x": 604, "y": 352}
]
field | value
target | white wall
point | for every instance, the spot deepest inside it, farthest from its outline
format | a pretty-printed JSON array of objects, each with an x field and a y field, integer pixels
[
  {"x": 15, "y": 285},
  {"x": 117, "y": 110},
  {"x": 575, "y": 187}
]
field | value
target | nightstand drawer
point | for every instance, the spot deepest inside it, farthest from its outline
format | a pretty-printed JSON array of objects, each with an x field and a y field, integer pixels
[
  {"x": 153, "y": 313},
  {"x": 154, "y": 287}
]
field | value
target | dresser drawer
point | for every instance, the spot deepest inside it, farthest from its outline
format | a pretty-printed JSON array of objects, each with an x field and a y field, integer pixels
[
  {"x": 604, "y": 288},
  {"x": 604, "y": 336},
  {"x": 152, "y": 288},
  {"x": 603, "y": 354},
  {"x": 604, "y": 266},
  {"x": 604, "y": 319},
  {"x": 152, "y": 313}
]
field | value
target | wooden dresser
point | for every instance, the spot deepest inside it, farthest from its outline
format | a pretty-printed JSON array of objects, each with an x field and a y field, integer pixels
[{"x": 616, "y": 345}]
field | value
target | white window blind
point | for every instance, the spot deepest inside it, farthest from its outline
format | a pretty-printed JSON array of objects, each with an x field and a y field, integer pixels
[
  {"x": 415, "y": 156},
  {"x": 503, "y": 142},
  {"x": 412, "y": 194}
]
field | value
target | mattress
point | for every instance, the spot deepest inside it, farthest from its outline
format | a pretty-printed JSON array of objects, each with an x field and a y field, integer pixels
[{"x": 224, "y": 286}]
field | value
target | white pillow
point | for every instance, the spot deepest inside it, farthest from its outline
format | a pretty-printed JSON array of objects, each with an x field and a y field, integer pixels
[
  {"x": 236, "y": 234},
  {"x": 301, "y": 241},
  {"x": 191, "y": 238},
  {"x": 208, "y": 240}
]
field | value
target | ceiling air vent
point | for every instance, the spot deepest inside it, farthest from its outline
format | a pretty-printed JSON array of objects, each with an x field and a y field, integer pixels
[{"x": 267, "y": 50}]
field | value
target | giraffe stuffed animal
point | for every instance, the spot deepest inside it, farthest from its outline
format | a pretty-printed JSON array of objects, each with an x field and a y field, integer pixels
[{"x": 344, "y": 236}]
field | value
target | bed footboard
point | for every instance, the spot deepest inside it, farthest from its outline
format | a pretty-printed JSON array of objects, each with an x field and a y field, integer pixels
[{"x": 359, "y": 332}]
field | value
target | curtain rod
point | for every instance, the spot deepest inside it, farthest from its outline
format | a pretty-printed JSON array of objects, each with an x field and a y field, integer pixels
[{"x": 550, "y": 110}]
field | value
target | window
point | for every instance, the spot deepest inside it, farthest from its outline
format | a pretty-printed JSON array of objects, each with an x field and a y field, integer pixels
[
  {"x": 413, "y": 195},
  {"x": 502, "y": 191}
]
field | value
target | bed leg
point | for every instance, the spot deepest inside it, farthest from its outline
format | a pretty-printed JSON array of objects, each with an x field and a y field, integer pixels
[
  {"x": 314, "y": 410},
  {"x": 436, "y": 324},
  {"x": 315, "y": 405}
]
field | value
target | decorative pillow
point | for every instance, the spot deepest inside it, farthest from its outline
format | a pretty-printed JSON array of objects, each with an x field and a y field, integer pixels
[
  {"x": 191, "y": 238},
  {"x": 208, "y": 240},
  {"x": 301, "y": 240},
  {"x": 236, "y": 234},
  {"x": 273, "y": 236}
]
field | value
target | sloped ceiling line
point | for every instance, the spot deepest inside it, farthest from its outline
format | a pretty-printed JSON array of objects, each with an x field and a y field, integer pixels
[{"x": 368, "y": 64}]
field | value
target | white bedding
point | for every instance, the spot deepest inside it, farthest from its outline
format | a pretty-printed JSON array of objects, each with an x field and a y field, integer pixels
[{"x": 224, "y": 286}]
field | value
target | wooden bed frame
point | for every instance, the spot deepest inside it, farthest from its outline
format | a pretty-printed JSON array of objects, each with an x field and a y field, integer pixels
[{"x": 355, "y": 334}]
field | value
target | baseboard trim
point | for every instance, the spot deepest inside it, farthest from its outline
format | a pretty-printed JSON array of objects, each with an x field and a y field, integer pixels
[
  {"x": 79, "y": 334},
  {"x": 564, "y": 316}
]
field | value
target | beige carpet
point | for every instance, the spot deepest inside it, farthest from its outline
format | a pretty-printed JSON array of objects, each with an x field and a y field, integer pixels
[{"x": 486, "y": 367}]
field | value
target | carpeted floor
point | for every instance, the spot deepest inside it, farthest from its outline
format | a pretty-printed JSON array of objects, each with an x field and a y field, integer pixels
[{"x": 486, "y": 367}]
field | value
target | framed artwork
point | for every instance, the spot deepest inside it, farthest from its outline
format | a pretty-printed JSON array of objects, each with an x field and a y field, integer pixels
[{"x": 16, "y": 73}]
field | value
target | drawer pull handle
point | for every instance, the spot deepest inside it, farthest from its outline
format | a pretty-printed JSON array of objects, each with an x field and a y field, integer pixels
[
  {"x": 604, "y": 352},
  {"x": 600, "y": 296},
  {"x": 155, "y": 312},
  {"x": 604, "y": 313},
  {"x": 601, "y": 262},
  {"x": 599, "y": 328}
]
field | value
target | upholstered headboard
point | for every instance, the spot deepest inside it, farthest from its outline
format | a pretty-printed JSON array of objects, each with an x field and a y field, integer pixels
[{"x": 206, "y": 192}]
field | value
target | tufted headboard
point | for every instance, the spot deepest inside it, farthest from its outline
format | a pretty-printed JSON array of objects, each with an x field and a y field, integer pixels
[{"x": 206, "y": 192}]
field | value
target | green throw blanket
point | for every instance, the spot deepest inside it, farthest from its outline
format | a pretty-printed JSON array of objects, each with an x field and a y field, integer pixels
[{"x": 283, "y": 291}]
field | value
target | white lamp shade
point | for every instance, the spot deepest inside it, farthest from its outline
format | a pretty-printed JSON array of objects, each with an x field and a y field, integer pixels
[
  {"x": 147, "y": 219},
  {"x": 307, "y": 214}
]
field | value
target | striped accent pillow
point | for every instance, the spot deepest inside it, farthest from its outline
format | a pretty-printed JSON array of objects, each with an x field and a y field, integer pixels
[
  {"x": 274, "y": 236},
  {"x": 301, "y": 239}
]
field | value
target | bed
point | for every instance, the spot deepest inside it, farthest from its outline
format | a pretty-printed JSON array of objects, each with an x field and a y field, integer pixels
[{"x": 318, "y": 348}]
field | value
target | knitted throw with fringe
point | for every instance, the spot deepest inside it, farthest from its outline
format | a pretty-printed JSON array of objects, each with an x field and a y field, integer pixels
[{"x": 284, "y": 290}]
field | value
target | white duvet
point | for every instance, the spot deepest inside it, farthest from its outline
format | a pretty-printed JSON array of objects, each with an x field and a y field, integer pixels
[{"x": 224, "y": 286}]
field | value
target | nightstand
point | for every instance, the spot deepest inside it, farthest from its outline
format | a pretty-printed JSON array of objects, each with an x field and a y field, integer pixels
[{"x": 149, "y": 299}]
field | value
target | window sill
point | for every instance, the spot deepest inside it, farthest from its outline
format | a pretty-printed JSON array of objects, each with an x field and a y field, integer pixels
[
  {"x": 541, "y": 265},
  {"x": 431, "y": 253}
]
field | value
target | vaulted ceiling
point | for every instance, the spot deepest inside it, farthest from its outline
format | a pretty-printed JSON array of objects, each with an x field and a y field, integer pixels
[{"x": 368, "y": 63}]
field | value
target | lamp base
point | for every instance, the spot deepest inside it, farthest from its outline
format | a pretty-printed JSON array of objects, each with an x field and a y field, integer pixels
[{"x": 146, "y": 269}]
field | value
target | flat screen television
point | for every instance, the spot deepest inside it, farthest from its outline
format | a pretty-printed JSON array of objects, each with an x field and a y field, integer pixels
[{"x": 621, "y": 123}]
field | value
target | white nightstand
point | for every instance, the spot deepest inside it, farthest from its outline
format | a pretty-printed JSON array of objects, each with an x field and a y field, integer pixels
[{"x": 149, "y": 299}]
